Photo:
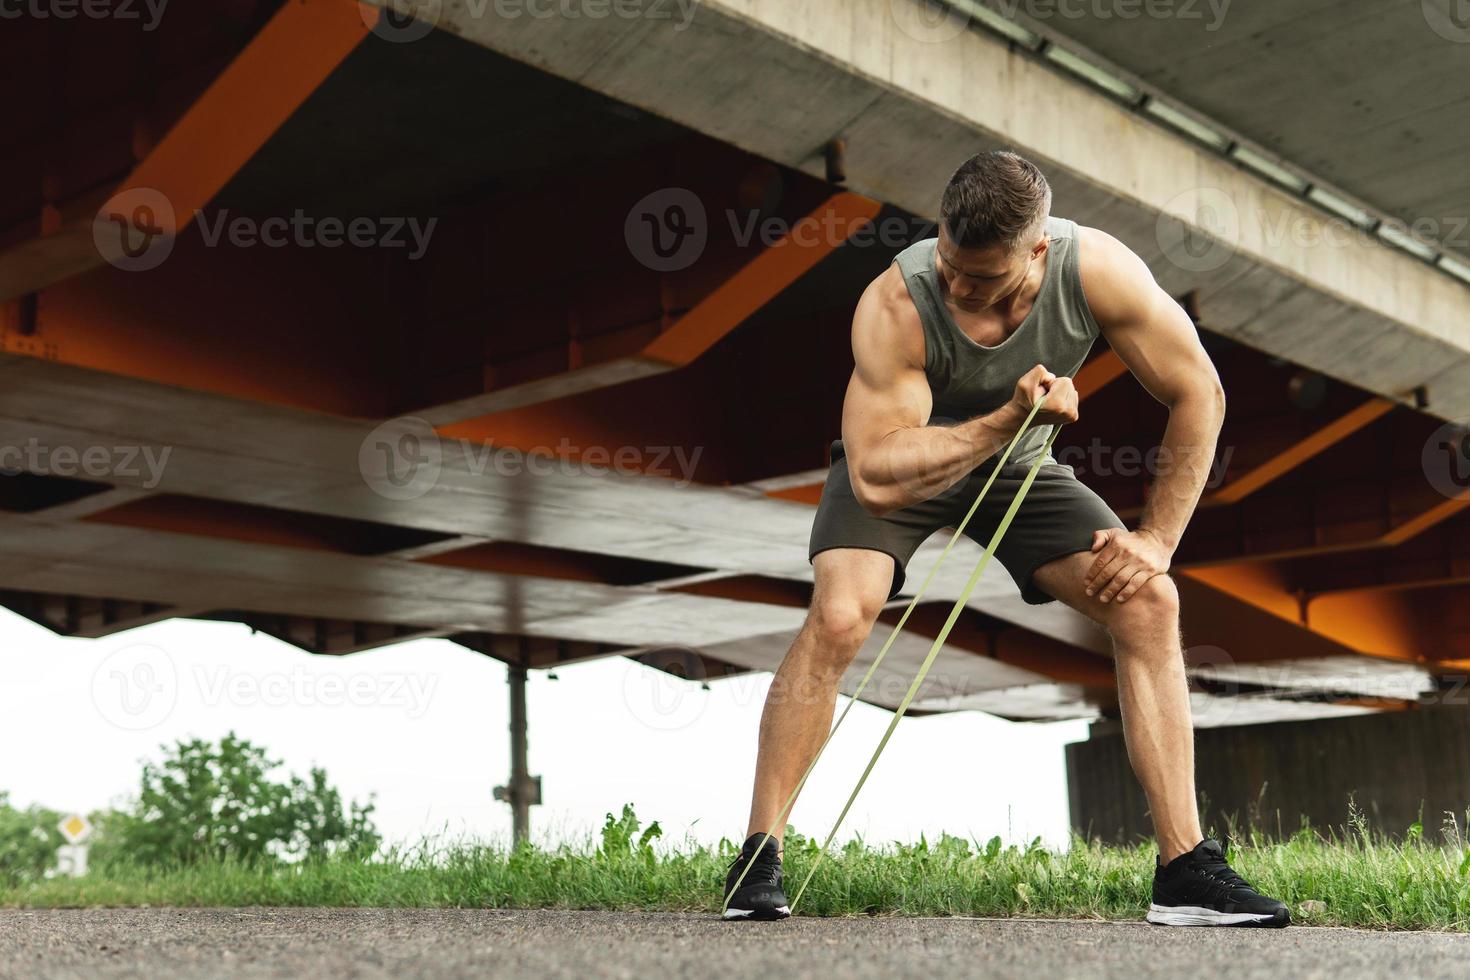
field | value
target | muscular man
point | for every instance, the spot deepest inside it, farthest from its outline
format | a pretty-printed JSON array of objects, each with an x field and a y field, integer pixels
[{"x": 953, "y": 344}]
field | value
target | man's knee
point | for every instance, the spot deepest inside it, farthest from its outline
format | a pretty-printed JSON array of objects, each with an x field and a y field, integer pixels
[
  {"x": 1153, "y": 607},
  {"x": 839, "y": 624}
]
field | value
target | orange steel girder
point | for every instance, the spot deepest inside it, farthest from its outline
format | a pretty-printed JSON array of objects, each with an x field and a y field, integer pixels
[
  {"x": 1098, "y": 373},
  {"x": 1300, "y": 452},
  {"x": 1289, "y": 459},
  {"x": 1373, "y": 622},
  {"x": 1397, "y": 535},
  {"x": 733, "y": 302},
  {"x": 1292, "y": 456},
  {"x": 250, "y": 100},
  {"x": 1376, "y": 622}
]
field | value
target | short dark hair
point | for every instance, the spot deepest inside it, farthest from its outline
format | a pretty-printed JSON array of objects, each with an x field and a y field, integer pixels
[{"x": 995, "y": 198}]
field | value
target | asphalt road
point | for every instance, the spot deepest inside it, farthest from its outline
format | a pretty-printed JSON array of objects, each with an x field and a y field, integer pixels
[{"x": 163, "y": 944}]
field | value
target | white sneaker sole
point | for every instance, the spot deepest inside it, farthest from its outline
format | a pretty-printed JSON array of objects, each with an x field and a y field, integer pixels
[
  {"x": 1189, "y": 915},
  {"x": 780, "y": 913}
]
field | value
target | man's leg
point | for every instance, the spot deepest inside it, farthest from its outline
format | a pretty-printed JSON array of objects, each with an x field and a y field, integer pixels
[
  {"x": 851, "y": 586},
  {"x": 1153, "y": 693}
]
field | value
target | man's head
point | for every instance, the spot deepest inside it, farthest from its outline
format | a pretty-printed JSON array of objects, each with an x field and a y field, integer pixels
[{"x": 992, "y": 226}]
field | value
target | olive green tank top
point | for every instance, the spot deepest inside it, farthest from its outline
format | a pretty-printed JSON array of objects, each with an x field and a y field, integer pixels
[{"x": 970, "y": 379}]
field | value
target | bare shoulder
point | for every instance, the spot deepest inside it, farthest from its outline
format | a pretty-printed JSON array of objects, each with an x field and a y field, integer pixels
[
  {"x": 886, "y": 325},
  {"x": 1117, "y": 283}
]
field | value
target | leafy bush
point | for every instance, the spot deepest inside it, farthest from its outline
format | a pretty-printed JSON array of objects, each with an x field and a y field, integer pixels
[
  {"x": 204, "y": 802},
  {"x": 620, "y": 835},
  {"x": 28, "y": 842}
]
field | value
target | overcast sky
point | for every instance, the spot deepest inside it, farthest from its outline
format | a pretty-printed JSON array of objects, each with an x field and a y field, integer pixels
[{"x": 422, "y": 726}]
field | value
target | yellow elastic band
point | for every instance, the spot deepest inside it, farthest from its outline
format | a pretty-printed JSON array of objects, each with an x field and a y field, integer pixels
[
  {"x": 898, "y": 627},
  {"x": 934, "y": 648}
]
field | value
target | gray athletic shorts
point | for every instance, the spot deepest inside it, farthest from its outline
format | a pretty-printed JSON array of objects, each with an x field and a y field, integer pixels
[{"x": 1057, "y": 519}]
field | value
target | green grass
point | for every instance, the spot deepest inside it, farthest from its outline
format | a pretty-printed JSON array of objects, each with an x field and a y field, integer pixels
[{"x": 1354, "y": 881}]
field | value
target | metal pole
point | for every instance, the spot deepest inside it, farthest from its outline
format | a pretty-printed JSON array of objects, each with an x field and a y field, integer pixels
[
  {"x": 520, "y": 803},
  {"x": 524, "y": 790}
]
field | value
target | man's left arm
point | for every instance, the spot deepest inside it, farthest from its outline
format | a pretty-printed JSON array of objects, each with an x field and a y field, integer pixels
[{"x": 1158, "y": 342}]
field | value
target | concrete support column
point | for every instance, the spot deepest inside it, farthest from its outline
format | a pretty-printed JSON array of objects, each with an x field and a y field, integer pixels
[
  {"x": 1398, "y": 767},
  {"x": 524, "y": 790}
]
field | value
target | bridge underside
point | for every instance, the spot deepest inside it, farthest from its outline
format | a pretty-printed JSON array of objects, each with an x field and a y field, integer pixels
[{"x": 627, "y": 458}]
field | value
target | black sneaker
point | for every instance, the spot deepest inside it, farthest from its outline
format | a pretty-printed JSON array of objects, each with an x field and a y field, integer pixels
[
  {"x": 1200, "y": 889},
  {"x": 759, "y": 895}
]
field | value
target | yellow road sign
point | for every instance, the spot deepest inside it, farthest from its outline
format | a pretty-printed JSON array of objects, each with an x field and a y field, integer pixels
[{"x": 75, "y": 828}]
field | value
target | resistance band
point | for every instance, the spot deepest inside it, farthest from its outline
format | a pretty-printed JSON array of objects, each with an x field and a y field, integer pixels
[
  {"x": 954, "y": 615},
  {"x": 898, "y": 628}
]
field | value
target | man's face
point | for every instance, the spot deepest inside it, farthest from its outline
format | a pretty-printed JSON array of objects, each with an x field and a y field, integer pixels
[{"x": 978, "y": 278}]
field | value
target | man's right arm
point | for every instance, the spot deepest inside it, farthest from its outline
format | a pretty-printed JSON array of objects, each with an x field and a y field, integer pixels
[{"x": 895, "y": 458}]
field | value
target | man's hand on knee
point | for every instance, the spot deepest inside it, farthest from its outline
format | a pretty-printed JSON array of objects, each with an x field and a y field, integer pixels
[{"x": 1125, "y": 561}]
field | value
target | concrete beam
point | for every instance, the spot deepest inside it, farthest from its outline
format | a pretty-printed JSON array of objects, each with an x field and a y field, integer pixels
[
  {"x": 89, "y": 617},
  {"x": 781, "y": 80},
  {"x": 269, "y": 456}
]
